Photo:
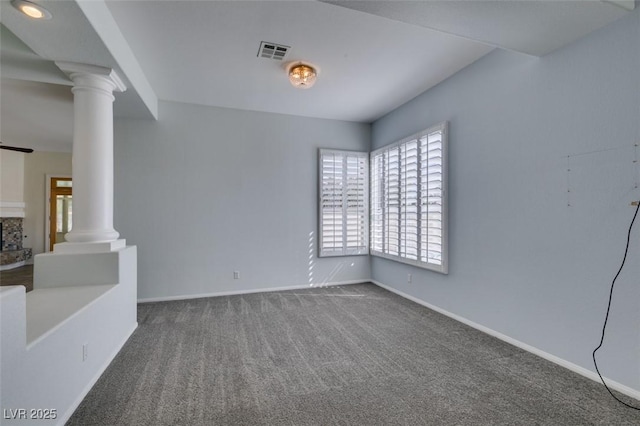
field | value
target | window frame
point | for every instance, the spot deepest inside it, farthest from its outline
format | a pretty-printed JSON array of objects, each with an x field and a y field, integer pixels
[
  {"x": 360, "y": 250},
  {"x": 379, "y": 202}
]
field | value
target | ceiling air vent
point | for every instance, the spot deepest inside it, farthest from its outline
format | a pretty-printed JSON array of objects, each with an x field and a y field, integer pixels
[{"x": 273, "y": 51}]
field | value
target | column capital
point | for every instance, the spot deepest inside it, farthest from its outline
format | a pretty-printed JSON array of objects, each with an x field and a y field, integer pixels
[{"x": 74, "y": 69}]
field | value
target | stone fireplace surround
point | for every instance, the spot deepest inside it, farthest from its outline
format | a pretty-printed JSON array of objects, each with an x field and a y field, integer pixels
[{"x": 13, "y": 254}]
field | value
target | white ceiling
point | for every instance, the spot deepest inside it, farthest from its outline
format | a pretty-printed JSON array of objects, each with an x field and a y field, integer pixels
[
  {"x": 373, "y": 55},
  {"x": 50, "y": 128},
  {"x": 532, "y": 27},
  {"x": 208, "y": 55}
]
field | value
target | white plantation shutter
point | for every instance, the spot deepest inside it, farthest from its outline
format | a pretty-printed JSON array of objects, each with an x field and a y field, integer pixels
[
  {"x": 331, "y": 203},
  {"x": 344, "y": 203},
  {"x": 408, "y": 200}
]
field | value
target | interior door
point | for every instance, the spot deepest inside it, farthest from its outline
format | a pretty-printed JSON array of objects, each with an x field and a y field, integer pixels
[{"x": 60, "y": 209}]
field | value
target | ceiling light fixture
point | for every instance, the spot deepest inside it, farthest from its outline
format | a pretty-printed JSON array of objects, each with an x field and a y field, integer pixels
[
  {"x": 302, "y": 76},
  {"x": 32, "y": 10}
]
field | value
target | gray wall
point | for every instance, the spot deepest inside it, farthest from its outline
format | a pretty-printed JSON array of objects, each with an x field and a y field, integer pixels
[
  {"x": 207, "y": 191},
  {"x": 522, "y": 262}
]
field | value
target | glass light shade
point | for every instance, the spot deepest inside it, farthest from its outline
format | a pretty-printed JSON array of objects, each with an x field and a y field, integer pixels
[{"x": 302, "y": 76}]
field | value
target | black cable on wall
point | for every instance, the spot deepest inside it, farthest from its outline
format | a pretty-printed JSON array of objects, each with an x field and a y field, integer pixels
[{"x": 606, "y": 317}]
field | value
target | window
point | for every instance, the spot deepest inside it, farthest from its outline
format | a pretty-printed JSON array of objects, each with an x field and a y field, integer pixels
[
  {"x": 344, "y": 204},
  {"x": 409, "y": 200}
]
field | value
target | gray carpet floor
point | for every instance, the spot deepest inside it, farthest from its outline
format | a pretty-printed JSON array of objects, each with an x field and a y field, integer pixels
[{"x": 348, "y": 355}]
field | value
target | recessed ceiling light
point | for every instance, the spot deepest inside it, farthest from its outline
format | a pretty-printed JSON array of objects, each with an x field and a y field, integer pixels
[{"x": 32, "y": 10}]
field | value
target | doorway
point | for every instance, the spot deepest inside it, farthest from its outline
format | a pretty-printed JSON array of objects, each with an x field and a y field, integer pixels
[{"x": 60, "y": 209}]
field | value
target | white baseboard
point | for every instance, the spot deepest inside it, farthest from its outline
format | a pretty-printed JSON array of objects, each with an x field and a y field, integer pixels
[
  {"x": 256, "y": 290},
  {"x": 89, "y": 386},
  {"x": 633, "y": 393}
]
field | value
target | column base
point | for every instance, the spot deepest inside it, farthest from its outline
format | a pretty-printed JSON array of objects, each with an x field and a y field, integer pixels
[
  {"x": 93, "y": 236},
  {"x": 107, "y": 246}
]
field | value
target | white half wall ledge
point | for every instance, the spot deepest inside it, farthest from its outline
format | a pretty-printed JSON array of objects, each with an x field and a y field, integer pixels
[
  {"x": 633, "y": 393},
  {"x": 45, "y": 332},
  {"x": 76, "y": 269}
]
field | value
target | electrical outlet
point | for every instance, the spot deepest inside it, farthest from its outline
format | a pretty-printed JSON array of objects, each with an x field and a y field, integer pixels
[
  {"x": 236, "y": 275},
  {"x": 85, "y": 352},
  {"x": 409, "y": 278},
  {"x": 635, "y": 203}
]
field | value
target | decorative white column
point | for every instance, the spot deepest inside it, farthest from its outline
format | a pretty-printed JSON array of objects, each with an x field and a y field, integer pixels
[{"x": 92, "y": 162}]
